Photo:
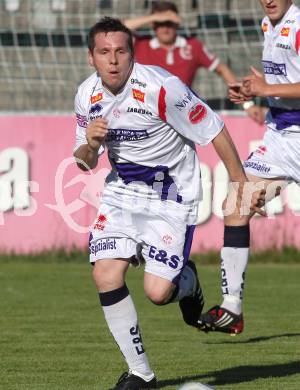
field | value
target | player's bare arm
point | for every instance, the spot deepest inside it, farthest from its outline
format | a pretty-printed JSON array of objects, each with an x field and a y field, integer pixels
[
  {"x": 226, "y": 150},
  {"x": 148, "y": 20},
  {"x": 87, "y": 155}
]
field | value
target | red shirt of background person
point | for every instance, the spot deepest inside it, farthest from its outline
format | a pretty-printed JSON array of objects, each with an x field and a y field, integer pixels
[
  {"x": 178, "y": 55},
  {"x": 183, "y": 59}
]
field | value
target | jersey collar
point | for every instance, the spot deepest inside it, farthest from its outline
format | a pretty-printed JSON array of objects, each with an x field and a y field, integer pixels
[{"x": 179, "y": 42}]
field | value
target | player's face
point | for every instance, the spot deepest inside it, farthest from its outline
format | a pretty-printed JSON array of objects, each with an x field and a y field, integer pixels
[
  {"x": 112, "y": 59},
  {"x": 166, "y": 34},
  {"x": 275, "y": 9}
]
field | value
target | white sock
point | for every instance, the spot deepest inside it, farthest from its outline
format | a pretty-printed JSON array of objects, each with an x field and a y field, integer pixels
[
  {"x": 121, "y": 317},
  {"x": 186, "y": 285},
  {"x": 233, "y": 266}
]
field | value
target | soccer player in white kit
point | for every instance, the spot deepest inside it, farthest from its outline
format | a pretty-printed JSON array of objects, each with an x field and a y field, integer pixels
[
  {"x": 149, "y": 122},
  {"x": 276, "y": 162}
]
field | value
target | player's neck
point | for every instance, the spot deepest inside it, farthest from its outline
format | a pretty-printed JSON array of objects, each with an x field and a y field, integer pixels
[{"x": 277, "y": 21}]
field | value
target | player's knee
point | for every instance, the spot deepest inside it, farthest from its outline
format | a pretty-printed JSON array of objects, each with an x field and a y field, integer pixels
[
  {"x": 106, "y": 278},
  {"x": 158, "y": 296}
]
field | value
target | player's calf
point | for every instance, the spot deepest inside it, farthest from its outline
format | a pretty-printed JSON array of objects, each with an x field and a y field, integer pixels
[{"x": 191, "y": 306}]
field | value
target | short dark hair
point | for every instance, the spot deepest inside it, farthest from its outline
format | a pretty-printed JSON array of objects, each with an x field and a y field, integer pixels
[
  {"x": 160, "y": 6},
  {"x": 106, "y": 25}
]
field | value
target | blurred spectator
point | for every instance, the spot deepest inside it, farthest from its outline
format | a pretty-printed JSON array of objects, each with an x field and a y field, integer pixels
[{"x": 179, "y": 55}]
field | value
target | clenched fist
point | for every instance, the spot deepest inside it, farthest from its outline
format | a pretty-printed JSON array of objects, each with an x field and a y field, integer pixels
[{"x": 96, "y": 132}]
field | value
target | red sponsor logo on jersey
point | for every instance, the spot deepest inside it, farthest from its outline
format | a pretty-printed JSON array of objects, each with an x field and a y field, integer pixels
[
  {"x": 138, "y": 95},
  {"x": 96, "y": 98},
  {"x": 197, "y": 113},
  {"x": 101, "y": 221},
  {"x": 285, "y": 31},
  {"x": 265, "y": 27},
  {"x": 261, "y": 150}
]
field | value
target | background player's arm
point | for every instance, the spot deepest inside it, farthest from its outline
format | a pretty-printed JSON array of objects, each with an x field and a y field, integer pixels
[
  {"x": 86, "y": 155},
  {"x": 147, "y": 20},
  {"x": 254, "y": 111},
  {"x": 255, "y": 85}
]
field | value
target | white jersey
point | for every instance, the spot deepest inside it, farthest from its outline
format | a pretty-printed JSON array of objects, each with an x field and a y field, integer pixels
[
  {"x": 281, "y": 63},
  {"x": 154, "y": 124}
]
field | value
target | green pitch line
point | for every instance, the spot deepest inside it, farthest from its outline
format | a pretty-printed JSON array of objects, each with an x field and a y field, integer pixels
[{"x": 53, "y": 335}]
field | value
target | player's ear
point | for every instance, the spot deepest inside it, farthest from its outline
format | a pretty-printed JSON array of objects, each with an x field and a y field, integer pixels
[{"x": 91, "y": 58}]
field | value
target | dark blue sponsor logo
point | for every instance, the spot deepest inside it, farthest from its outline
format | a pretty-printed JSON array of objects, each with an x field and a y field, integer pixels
[
  {"x": 106, "y": 244},
  {"x": 184, "y": 101},
  {"x": 257, "y": 166},
  {"x": 139, "y": 83},
  {"x": 95, "y": 111},
  {"x": 273, "y": 68},
  {"x": 282, "y": 46},
  {"x": 126, "y": 135},
  {"x": 163, "y": 257},
  {"x": 141, "y": 111},
  {"x": 81, "y": 120}
]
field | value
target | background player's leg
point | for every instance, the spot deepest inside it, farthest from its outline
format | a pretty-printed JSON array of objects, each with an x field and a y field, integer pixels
[{"x": 234, "y": 259}]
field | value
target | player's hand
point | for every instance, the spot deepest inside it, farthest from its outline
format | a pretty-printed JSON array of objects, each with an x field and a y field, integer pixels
[
  {"x": 166, "y": 16},
  {"x": 236, "y": 93},
  {"x": 254, "y": 84},
  {"x": 257, "y": 113},
  {"x": 96, "y": 133},
  {"x": 258, "y": 201}
]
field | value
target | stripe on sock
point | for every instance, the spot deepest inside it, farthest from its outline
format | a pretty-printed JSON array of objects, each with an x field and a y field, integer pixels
[
  {"x": 237, "y": 236},
  {"x": 111, "y": 297}
]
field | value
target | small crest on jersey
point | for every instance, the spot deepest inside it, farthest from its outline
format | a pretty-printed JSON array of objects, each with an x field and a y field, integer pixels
[
  {"x": 285, "y": 31},
  {"x": 138, "y": 95},
  {"x": 197, "y": 113},
  {"x": 265, "y": 27},
  {"x": 116, "y": 113},
  {"x": 96, "y": 98},
  {"x": 100, "y": 223},
  {"x": 167, "y": 239}
]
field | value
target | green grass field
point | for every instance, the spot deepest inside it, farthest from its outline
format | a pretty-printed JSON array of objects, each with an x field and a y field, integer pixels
[{"x": 53, "y": 335}]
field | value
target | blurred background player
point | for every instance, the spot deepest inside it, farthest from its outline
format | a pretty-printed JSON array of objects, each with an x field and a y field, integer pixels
[
  {"x": 276, "y": 162},
  {"x": 150, "y": 133},
  {"x": 177, "y": 54}
]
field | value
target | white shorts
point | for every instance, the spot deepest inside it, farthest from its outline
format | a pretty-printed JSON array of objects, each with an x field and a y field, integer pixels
[
  {"x": 160, "y": 236},
  {"x": 277, "y": 157}
]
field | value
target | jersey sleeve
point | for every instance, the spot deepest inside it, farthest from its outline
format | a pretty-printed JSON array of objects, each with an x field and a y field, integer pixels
[
  {"x": 204, "y": 56},
  {"x": 81, "y": 123},
  {"x": 187, "y": 113},
  {"x": 297, "y": 35}
]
